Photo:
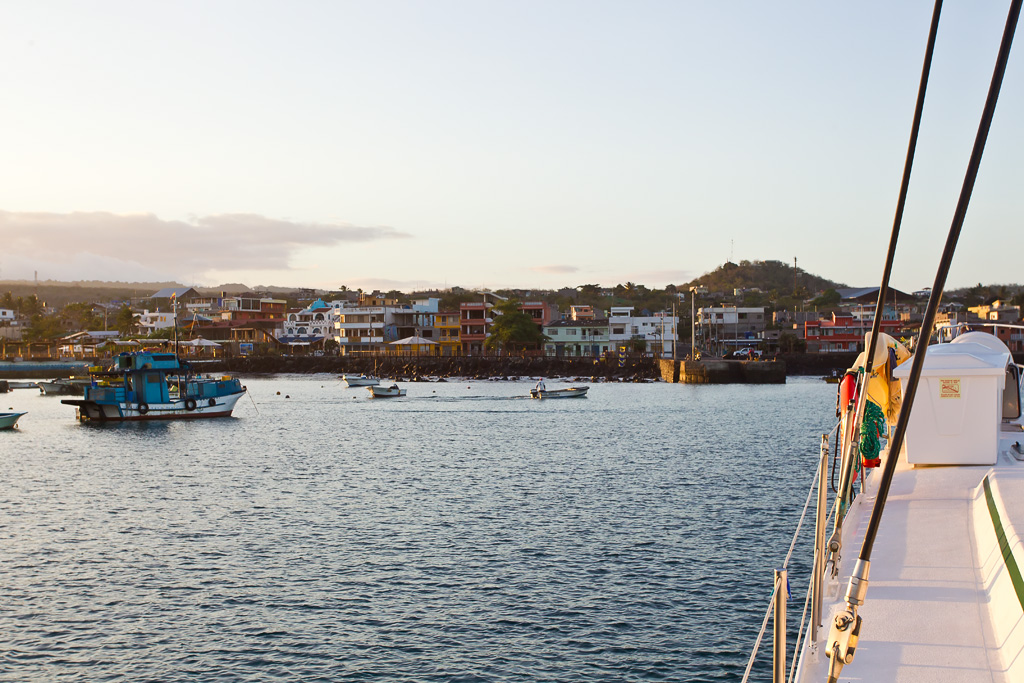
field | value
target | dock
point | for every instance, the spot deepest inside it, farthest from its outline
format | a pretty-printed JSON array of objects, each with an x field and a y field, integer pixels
[{"x": 723, "y": 371}]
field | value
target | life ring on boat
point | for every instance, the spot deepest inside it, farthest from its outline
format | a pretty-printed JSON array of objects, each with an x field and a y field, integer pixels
[
  {"x": 190, "y": 404},
  {"x": 143, "y": 408},
  {"x": 212, "y": 403}
]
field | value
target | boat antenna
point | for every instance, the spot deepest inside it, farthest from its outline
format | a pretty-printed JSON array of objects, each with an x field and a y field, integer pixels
[{"x": 843, "y": 636}]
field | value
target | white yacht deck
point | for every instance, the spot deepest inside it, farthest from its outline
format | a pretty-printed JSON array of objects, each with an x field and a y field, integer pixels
[{"x": 941, "y": 604}]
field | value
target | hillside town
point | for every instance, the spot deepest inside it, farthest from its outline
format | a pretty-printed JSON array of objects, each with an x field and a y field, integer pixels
[{"x": 694, "y": 322}]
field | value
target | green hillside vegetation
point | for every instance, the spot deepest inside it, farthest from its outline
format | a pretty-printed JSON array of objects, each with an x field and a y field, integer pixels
[
  {"x": 60, "y": 294},
  {"x": 768, "y": 276}
]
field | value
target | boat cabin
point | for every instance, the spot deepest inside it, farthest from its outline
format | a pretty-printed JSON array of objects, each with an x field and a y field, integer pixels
[
  {"x": 968, "y": 394},
  {"x": 145, "y": 360}
]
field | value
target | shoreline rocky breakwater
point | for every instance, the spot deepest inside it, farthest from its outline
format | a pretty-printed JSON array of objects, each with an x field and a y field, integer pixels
[
  {"x": 636, "y": 369},
  {"x": 472, "y": 367}
]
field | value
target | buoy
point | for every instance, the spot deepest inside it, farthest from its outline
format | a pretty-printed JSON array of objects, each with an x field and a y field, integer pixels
[
  {"x": 847, "y": 391},
  {"x": 279, "y": 393},
  {"x": 287, "y": 396}
]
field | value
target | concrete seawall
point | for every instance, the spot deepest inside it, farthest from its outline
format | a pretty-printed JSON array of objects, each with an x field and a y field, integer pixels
[{"x": 723, "y": 372}]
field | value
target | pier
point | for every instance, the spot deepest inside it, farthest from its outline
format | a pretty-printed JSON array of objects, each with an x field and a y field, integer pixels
[{"x": 723, "y": 371}]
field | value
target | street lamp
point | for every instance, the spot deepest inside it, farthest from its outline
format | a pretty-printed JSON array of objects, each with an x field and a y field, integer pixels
[{"x": 693, "y": 323}]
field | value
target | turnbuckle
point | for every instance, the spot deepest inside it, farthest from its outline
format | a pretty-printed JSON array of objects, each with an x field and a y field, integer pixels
[{"x": 842, "y": 642}]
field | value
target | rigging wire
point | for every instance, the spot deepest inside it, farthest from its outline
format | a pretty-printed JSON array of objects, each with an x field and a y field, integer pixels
[{"x": 953, "y": 236}]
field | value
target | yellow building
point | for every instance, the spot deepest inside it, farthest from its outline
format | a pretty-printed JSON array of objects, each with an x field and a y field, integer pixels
[{"x": 446, "y": 325}]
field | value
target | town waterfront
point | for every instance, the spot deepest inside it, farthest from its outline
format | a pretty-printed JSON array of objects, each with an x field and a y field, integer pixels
[{"x": 463, "y": 533}]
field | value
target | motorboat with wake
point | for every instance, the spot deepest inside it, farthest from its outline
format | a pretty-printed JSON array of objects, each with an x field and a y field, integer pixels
[
  {"x": 916, "y": 563},
  {"x": 145, "y": 385},
  {"x": 571, "y": 392}
]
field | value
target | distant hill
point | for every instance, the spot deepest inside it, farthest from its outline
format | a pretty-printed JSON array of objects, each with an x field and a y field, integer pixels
[
  {"x": 58, "y": 294},
  {"x": 764, "y": 275}
]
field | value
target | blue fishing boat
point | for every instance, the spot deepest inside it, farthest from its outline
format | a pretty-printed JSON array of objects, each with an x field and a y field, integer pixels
[
  {"x": 9, "y": 420},
  {"x": 155, "y": 386}
]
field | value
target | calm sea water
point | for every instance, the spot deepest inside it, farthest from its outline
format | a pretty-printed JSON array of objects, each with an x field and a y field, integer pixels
[{"x": 464, "y": 533}]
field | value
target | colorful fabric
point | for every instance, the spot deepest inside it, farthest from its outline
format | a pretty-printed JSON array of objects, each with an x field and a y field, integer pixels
[{"x": 871, "y": 428}]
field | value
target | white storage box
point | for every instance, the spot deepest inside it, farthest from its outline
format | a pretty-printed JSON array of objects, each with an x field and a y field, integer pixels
[{"x": 956, "y": 413}]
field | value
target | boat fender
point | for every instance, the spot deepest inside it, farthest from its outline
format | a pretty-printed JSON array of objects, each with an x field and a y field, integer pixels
[
  {"x": 847, "y": 390},
  {"x": 190, "y": 404},
  {"x": 143, "y": 408},
  {"x": 212, "y": 403}
]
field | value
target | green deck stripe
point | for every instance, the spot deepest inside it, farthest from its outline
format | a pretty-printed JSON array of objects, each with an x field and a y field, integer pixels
[{"x": 1004, "y": 546}]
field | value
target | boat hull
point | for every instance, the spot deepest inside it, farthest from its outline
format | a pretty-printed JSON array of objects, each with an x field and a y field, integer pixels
[
  {"x": 362, "y": 381},
  {"x": 9, "y": 420},
  {"x": 88, "y": 410},
  {"x": 386, "y": 392}
]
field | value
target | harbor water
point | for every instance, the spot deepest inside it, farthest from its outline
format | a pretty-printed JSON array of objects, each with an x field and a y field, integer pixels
[{"x": 463, "y": 533}]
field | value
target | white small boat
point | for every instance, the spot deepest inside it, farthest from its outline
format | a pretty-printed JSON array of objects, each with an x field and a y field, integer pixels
[
  {"x": 386, "y": 392},
  {"x": 9, "y": 420},
  {"x": 70, "y": 385},
  {"x": 21, "y": 384},
  {"x": 572, "y": 392},
  {"x": 361, "y": 381}
]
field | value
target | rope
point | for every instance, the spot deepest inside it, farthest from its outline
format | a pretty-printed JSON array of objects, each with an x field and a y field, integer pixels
[
  {"x": 760, "y": 634},
  {"x": 785, "y": 565},
  {"x": 807, "y": 504},
  {"x": 800, "y": 633}
]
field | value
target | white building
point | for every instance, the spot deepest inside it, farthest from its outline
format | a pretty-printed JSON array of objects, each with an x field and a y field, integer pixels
[
  {"x": 574, "y": 338},
  {"x": 658, "y": 332},
  {"x": 360, "y": 328},
  {"x": 157, "y": 320},
  {"x": 308, "y": 325},
  {"x": 6, "y": 315}
]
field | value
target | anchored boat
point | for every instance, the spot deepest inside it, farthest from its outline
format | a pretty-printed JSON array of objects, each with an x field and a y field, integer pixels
[
  {"x": 360, "y": 381},
  {"x": 392, "y": 391},
  {"x": 155, "y": 386},
  {"x": 9, "y": 420},
  {"x": 69, "y": 385}
]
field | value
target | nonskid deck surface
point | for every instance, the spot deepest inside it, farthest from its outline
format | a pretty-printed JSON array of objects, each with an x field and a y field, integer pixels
[{"x": 929, "y": 609}]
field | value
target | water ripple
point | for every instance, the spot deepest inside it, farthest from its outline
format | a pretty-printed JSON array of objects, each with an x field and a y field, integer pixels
[{"x": 629, "y": 536}]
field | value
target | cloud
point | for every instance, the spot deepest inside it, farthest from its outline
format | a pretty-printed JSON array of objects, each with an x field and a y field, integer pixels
[
  {"x": 223, "y": 242},
  {"x": 555, "y": 270}
]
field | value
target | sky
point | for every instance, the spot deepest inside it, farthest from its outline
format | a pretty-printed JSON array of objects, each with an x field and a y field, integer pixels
[{"x": 400, "y": 144}]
